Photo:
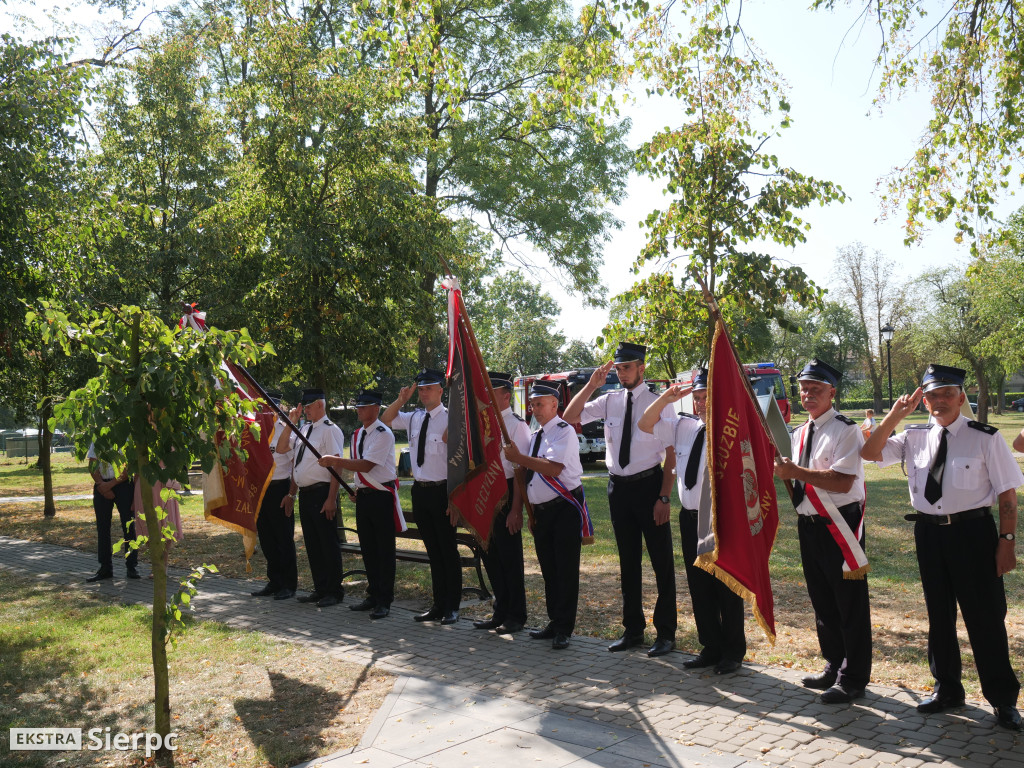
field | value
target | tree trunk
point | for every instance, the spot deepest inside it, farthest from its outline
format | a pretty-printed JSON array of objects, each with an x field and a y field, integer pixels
[
  {"x": 46, "y": 435},
  {"x": 982, "y": 377},
  {"x": 157, "y": 550}
]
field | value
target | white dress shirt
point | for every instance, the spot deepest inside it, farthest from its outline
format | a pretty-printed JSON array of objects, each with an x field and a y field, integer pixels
[
  {"x": 559, "y": 444},
  {"x": 645, "y": 450},
  {"x": 282, "y": 461},
  {"x": 435, "y": 453},
  {"x": 378, "y": 447},
  {"x": 836, "y": 446},
  {"x": 979, "y": 466},
  {"x": 328, "y": 439},
  {"x": 518, "y": 430},
  {"x": 680, "y": 437}
]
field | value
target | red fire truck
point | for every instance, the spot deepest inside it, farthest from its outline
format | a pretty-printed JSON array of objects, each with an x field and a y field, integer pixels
[{"x": 764, "y": 378}]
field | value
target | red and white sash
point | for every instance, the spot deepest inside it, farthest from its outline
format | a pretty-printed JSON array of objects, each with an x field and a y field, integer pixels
[
  {"x": 399, "y": 518},
  {"x": 818, "y": 501}
]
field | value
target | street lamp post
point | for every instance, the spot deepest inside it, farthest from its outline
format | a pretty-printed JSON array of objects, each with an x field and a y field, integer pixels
[{"x": 887, "y": 332}]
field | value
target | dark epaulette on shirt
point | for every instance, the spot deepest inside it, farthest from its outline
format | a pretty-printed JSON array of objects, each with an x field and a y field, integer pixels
[
  {"x": 517, "y": 417},
  {"x": 382, "y": 428},
  {"x": 845, "y": 419},
  {"x": 563, "y": 424},
  {"x": 328, "y": 422},
  {"x": 988, "y": 429}
]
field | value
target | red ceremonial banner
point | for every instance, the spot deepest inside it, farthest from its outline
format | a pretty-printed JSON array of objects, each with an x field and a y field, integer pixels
[
  {"x": 476, "y": 478},
  {"x": 245, "y": 481},
  {"x": 741, "y": 467}
]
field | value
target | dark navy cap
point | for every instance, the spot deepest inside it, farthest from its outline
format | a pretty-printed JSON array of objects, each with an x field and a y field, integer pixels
[
  {"x": 627, "y": 352},
  {"x": 543, "y": 389},
  {"x": 500, "y": 379},
  {"x": 816, "y": 370},
  {"x": 429, "y": 376},
  {"x": 275, "y": 397},
  {"x": 368, "y": 397},
  {"x": 936, "y": 376},
  {"x": 700, "y": 379},
  {"x": 311, "y": 395}
]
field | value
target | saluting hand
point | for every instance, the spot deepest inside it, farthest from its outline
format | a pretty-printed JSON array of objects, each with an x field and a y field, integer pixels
[
  {"x": 406, "y": 393},
  {"x": 906, "y": 404},
  {"x": 600, "y": 376},
  {"x": 676, "y": 392},
  {"x": 294, "y": 414}
]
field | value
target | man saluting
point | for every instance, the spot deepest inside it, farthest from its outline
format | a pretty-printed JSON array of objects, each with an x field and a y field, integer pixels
[{"x": 956, "y": 469}]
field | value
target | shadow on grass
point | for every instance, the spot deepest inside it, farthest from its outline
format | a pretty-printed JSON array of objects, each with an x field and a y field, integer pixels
[{"x": 289, "y": 726}]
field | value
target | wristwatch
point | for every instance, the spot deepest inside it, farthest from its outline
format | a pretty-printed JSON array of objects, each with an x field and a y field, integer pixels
[
  {"x": 1008, "y": 536},
  {"x": 664, "y": 499}
]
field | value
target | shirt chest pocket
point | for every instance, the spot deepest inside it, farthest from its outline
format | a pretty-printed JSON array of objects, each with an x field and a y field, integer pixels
[
  {"x": 966, "y": 471},
  {"x": 919, "y": 464},
  {"x": 611, "y": 430}
]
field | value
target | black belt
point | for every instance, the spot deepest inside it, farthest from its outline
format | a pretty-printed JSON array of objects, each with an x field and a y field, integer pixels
[
  {"x": 956, "y": 517},
  {"x": 429, "y": 483},
  {"x": 690, "y": 512},
  {"x": 282, "y": 480},
  {"x": 556, "y": 501},
  {"x": 634, "y": 478},
  {"x": 390, "y": 484},
  {"x": 311, "y": 486}
]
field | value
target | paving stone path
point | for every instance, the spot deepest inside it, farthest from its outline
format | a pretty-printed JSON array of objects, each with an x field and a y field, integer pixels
[{"x": 471, "y": 698}]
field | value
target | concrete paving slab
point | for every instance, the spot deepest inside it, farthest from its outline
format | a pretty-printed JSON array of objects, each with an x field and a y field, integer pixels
[
  {"x": 583, "y": 731},
  {"x": 509, "y": 747},
  {"x": 428, "y": 730}
]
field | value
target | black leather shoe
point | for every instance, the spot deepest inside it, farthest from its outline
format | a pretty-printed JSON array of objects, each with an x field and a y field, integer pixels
[
  {"x": 487, "y": 624},
  {"x": 837, "y": 694},
  {"x": 132, "y": 573},
  {"x": 542, "y": 634},
  {"x": 327, "y": 601},
  {"x": 380, "y": 611},
  {"x": 1008, "y": 717},
  {"x": 700, "y": 662},
  {"x": 509, "y": 628},
  {"x": 935, "y": 704},
  {"x": 450, "y": 618},
  {"x": 367, "y": 605},
  {"x": 727, "y": 666},
  {"x": 626, "y": 641},
  {"x": 661, "y": 647},
  {"x": 312, "y": 597},
  {"x": 820, "y": 682},
  {"x": 100, "y": 575},
  {"x": 432, "y": 615},
  {"x": 284, "y": 594},
  {"x": 267, "y": 591},
  {"x": 560, "y": 642}
]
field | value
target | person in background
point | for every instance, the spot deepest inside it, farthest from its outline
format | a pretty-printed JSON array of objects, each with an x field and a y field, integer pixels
[{"x": 111, "y": 489}]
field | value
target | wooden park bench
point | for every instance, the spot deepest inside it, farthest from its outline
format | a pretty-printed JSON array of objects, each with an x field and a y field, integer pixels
[{"x": 462, "y": 540}]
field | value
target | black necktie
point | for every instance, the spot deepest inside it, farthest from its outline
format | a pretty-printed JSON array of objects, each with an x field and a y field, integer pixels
[
  {"x": 422, "y": 445},
  {"x": 690, "y": 478},
  {"x": 627, "y": 433},
  {"x": 362, "y": 440},
  {"x": 302, "y": 450},
  {"x": 933, "y": 485},
  {"x": 805, "y": 461},
  {"x": 533, "y": 454}
]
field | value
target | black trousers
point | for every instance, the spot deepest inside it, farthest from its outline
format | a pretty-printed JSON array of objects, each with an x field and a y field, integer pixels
[
  {"x": 958, "y": 565},
  {"x": 320, "y": 536},
  {"x": 375, "y": 524},
  {"x": 124, "y": 494},
  {"x": 430, "y": 510},
  {"x": 717, "y": 610},
  {"x": 277, "y": 537},
  {"x": 632, "y": 513},
  {"x": 504, "y": 563},
  {"x": 557, "y": 539},
  {"x": 842, "y": 612}
]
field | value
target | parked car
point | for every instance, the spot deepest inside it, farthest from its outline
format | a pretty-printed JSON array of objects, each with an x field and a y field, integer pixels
[{"x": 1017, "y": 405}]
